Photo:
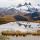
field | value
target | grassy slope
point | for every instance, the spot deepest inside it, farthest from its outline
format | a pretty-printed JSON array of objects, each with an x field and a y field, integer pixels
[
  {"x": 36, "y": 21},
  {"x": 7, "y": 19}
]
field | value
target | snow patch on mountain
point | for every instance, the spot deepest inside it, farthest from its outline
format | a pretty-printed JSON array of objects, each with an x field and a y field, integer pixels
[{"x": 26, "y": 8}]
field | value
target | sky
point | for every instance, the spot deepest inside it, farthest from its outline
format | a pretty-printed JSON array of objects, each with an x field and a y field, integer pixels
[{"x": 8, "y": 3}]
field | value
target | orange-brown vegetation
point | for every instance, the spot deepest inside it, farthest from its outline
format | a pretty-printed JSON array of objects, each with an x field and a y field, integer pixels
[
  {"x": 14, "y": 33},
  {"x": 6, "y": 19},
  {"x": 9, "y": 18},
  {"x": 8, "y": 33},
  {"x": 37, "y": 32},
  {"x": 19, "y": 33},
  {"x": 36, "y": 21}
]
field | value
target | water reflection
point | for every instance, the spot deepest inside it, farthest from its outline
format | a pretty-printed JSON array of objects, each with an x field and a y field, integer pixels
[
  {"x": 2, "y": 37},
  {"x": 28, "y": 37},
  {"x": 25, "y": 25}
]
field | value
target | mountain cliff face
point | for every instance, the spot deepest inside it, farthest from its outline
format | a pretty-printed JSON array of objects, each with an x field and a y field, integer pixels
[{"x": 25, "y": 8}]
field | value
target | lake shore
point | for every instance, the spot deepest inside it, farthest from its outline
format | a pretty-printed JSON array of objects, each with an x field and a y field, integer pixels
[{"x": 19, "y": 33}]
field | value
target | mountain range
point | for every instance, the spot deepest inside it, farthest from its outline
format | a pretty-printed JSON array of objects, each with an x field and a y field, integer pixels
[{"x": 26, "y": 11}]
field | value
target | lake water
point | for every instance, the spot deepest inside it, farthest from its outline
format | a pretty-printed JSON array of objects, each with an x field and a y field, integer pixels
[
  {"x": 15, "y": 26},
  {"x": 28, "y": 37}
]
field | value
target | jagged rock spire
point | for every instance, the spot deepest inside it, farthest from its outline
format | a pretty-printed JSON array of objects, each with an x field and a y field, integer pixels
[
  {"x": 19, "y": 5},
  {"x": 29, "y": 3},
  {"x": 25, "y": 3}
]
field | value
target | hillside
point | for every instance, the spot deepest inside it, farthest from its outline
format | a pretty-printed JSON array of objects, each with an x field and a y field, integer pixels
[
  {"x": 7, "y": 19},
  {"x": 36, "y": 21}
]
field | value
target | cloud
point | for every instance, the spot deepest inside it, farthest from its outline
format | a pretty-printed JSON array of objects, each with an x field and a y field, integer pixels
[{"x": 7, "y": 3}]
